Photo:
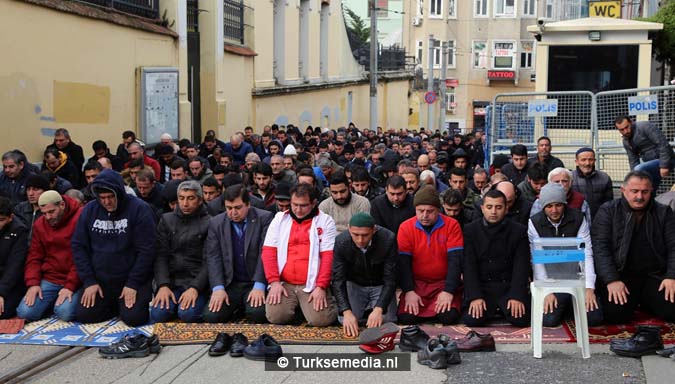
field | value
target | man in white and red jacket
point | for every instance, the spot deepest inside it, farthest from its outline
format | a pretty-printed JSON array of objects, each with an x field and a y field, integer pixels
[{"x": 297, "y": 256}]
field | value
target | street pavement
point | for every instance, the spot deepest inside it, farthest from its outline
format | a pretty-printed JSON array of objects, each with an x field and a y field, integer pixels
[{"x": 512, "y": 363}]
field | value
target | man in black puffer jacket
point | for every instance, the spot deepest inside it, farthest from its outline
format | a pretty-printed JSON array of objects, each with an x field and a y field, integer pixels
[
  {"x": 634, "y": 251},
  {"x": 180, "y": 272}
]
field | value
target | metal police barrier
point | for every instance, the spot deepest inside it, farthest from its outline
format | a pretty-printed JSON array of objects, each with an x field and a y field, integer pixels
[
  {"x": 655, "y": 104},
  {"x": 521, "y": 118}
]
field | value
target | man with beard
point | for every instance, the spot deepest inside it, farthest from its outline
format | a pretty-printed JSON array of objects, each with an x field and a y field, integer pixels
[
  {"x": 198, "y": 170},
  {"x": 595, "y": 185},
  {"x": 365, "y": 274},
  {"x": 297, "y": 256},
  {"x": 544, "y": 156},
  {"x": 263, "y": 187},
  {"x": 412, "y": 179},
  {"x": 343, "y": 204},
  {"x": 430, "y": 252},
  {"x": 361, "y": 184},
  {"x": 393, "y": 207},
  {"x": 496, "y": 266},
  {"x": 559, "y": 220},
  {"x": 50, "y": 275},
  {"x": 645, "y": 142},
  {"x": 634, "y": 252}
]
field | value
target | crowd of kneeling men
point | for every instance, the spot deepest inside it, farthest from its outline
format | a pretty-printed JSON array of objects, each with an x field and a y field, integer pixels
[{"x": 328, "y": 262}]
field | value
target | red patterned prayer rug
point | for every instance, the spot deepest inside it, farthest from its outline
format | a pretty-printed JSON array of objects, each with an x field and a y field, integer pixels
[
  {"x": 605, "y": 333},
  {"x": 193, "y": 333}
]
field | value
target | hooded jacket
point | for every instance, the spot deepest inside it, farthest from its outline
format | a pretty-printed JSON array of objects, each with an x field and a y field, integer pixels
[
  {"x": 115, "y": 247},
  {"x": 50, "y": 256}
]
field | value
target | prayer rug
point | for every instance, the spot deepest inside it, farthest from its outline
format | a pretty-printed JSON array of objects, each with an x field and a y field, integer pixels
[
  {"x": 193, "y": 333},
  {"x": 605, "y": 333},
  {"x": 53, "y": 331}
]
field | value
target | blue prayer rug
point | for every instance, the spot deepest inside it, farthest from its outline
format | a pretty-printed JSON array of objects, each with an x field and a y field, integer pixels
[{"x": 53, "y": 331}]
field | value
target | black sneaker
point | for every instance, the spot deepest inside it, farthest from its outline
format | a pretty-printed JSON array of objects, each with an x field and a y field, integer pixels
[
  {"x": 131, "y": 345},
  {"x": 451, "y": 349},
  {"x": 153, "y": 344},
  {"x": 263, "y": 348},
  {"x": 413, "y": 338},
  {"x": 239, "y": 343},
  {"x": 433, "y": 355}
]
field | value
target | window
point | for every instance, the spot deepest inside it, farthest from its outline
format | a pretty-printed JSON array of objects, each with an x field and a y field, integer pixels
[
  {"x": 505, "y": 8},
  {"x": 480, "y": 8},
  {"x": 450, "y": 103},
  {"x": 479, "y": 54},
  {"x": 420, "y": 51},
  {"x": 529, "y": 7},
  {"x": 452, "y": 8},
  {"x": 550, "y": 8},
  {"x": 435, "y": 8},
  {"x": 437, "y": 53},
  {"x": 503, "y": 54},
  {"x": 526, "y": 54},
  {"x": 451, "y": 54}
]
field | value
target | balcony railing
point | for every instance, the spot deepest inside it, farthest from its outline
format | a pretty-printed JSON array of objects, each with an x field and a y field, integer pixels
[{"x": 143, "y": 8}]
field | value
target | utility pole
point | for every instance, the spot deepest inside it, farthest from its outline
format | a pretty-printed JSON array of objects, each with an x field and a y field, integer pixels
[
  {"x": 373, "y": 66},
  {"x": 441, "y": 85},
  {"x": 430, "y": 82}
]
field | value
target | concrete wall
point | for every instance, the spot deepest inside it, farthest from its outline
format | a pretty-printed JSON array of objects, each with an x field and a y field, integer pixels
[
  {"x": 329, "y": 108},
  {"x": 66, "y": 71}
]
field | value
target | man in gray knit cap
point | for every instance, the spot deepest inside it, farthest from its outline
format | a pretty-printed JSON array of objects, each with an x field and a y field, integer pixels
[{"x": 558, "y": 220}]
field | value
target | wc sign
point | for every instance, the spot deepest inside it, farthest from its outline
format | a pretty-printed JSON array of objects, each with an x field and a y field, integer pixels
[
  {"x": 546, "y": 107},
  {"x": 643, "y": 105}
]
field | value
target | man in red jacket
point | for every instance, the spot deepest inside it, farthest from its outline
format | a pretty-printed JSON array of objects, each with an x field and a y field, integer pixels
[{"x": 50, "y": 274}]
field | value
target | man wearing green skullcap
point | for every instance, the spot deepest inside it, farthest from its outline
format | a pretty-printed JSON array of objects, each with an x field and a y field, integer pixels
[{"x": 364, "y": 274}]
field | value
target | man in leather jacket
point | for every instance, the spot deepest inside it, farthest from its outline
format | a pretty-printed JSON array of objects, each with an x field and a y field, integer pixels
[
  {"x": 364, "y": 274},
  {"x": 634, "y": 251}
]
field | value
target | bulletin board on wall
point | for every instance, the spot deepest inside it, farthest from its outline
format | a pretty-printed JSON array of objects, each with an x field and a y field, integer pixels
[{"x": 158, "y": 109}]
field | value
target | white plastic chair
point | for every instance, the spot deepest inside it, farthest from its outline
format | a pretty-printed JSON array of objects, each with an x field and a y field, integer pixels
[{"x": 557, "y": 251}]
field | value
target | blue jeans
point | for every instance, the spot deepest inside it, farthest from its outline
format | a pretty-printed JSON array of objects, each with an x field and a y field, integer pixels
[
  {"x": 42, "y": 307},
  {"x": 189, "y": 315},
  {"x": 654, "y": 170}
]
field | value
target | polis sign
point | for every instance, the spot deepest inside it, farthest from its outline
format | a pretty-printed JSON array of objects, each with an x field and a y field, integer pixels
[{"x": 501, "y": 75}]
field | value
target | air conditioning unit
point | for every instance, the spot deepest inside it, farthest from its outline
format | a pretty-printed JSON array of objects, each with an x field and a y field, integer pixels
[{"x": 417, "y": 21}]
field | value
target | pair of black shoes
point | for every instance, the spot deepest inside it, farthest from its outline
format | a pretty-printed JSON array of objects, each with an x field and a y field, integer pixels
[
  {"x": 264, "y": 348},
  {"x": 225, "y": 343},
  {"x": 645, "y": 341},
  {"x": 132, "y": 345},
  {"x": 435, "y": 352},
  {"x": 439, "y": 353}
]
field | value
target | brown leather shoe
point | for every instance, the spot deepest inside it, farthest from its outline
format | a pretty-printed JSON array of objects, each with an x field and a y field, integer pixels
[{"x": 476, "y": 342}]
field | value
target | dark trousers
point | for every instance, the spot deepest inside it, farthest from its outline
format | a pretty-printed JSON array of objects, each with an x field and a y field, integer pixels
[
  {"x": 12, "y": 301},
  {"x": 644, "y": 292},
  {"x": 493, "y": 302},
  {"x": 238, "y": 308},
  {"x": 111, "y": 305},
  {"x": 445, "y": 318},
  {"x": 565, "y": 308}
]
